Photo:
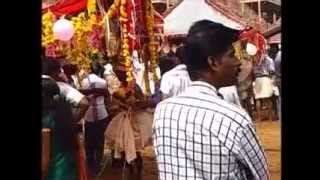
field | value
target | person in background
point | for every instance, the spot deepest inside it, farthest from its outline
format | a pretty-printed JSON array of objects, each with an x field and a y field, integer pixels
[
  {"x": 111, "y": 78},
  {"x": 138, "y": 68},
  {"x": 198, "y": 135},
  {"x": 79, "y": 102},
  {"x": 230, "y": 94},
  {"x": 59, "y": 141},
  {"x": 277, "y": 62},
  {"x": 263, "y": 85},
  {"x": 134, "y": 122},
  {"x": 70, "y": 71},
  {"x": 166, "y": 63},
  {"x": 96, "y": 118},
  {"x": 245, "y": 91},
  {"x": 176, "y": 80}
]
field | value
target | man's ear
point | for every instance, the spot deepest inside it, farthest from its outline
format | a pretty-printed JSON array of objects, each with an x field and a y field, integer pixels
[{"x": 214, "y": 64}]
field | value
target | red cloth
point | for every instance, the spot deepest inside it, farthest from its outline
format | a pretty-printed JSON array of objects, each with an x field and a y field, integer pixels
[
  {"x": 130, "y": 26},
  {"x": 81, "y": 162},
  {"x": 140, "y": 29},
  {"x": 64, "y": 7},
  {"x": 256, "y": 38}
]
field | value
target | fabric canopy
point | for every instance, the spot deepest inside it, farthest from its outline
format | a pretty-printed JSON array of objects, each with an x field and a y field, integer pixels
[
  {"x": 275, "y": 39},
  {"x": 64, "y": 7},
  {"x": 190, "y": 11}
]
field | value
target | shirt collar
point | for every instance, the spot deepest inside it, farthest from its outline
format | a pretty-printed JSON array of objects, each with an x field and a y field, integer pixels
[
  {"x": 204, "y": 87},
  {"x": 181, "y": 67},
  {"x": 45, "y": 76}
]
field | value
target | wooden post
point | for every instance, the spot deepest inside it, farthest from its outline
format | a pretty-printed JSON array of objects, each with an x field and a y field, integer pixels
[
  {"x": 242, "y": 9},
  {"x": 259, "y": 10}
]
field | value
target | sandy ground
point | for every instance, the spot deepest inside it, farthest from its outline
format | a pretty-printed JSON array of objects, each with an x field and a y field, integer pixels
[{"x": 268, "y": 131}]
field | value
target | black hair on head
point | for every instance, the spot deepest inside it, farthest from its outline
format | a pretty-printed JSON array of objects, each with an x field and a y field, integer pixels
[
  {"x": 50, "y": 66},
  {"x": 206, "y": 38},
  {"x": 181, "y": 54}
]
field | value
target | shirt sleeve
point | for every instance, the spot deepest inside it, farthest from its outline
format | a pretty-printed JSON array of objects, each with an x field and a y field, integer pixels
[
  {"x": 252, "y": 154},
  {"x": 271, "y": 65},
  {"x": 165, "y": 85},
  {"x": 98, "y": 82},
  {"x": 73, "y": 96}
]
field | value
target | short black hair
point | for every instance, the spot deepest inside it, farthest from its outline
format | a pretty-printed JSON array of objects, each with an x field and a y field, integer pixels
[
  {"x": 166, "y": 63},
  {"x": 181, "y": 54},
  {"x": 206, "y": 38},
  {"x": 50, "y": 66},
  {"x": 61, "y": 111},
  {"x": 49, "y": 88},
  {"x": 70, "y": 69},
  {"x": 96, "y": 68}
]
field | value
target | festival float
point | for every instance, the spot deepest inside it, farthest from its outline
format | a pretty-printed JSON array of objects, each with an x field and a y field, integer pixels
[{"x": 79, "y": 31}]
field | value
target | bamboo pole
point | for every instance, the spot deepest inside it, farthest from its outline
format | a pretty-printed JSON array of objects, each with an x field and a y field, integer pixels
[{"x": 259, "y": 10}]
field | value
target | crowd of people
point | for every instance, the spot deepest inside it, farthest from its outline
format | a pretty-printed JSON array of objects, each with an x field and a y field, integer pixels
[{"x": 198, "y": 117}]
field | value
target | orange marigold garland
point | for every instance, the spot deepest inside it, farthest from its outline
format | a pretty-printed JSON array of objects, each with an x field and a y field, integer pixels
[
  {"x": 152, "y": 46},
  {"x": 47, "y": 28},
  {"x": 125, "y": 53},
  {"x": 78, "y": 51},
  {"x": 113, "y": 10},
  {"x": 48, "y": 40}
]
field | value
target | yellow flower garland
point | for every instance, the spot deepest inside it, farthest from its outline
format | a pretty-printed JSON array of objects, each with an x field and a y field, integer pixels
[
  {"x": 125, "y": 41},
  {"x": 120, "y": 7},
  {"x": 47, "y": 28},
  {"x": 76, "y": 51},
  {"x": 91, "y": 7},
  {"x": 113, "y": 9},
  {"x": 79, "y": 53},
  {"x": 152, "y": 44}
]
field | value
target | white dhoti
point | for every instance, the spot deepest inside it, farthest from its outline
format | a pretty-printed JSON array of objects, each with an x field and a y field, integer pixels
[
  {"x": 130, "y": 132},
  {"x": 263, "y": 87}
]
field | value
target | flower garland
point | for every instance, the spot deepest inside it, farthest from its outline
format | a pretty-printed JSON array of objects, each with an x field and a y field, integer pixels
[
  {"x": 48, "y": 39},
  {"x": 125, "y": 41},
  {"x": 85, "y": 42},
  {"x": 77, "y": 51},
  {"x": 91, "y": 7},
  {"x": 94, "y": 38},
  {"x": 47, "y": 28},
  {"x": 122, "y": 8},
  {"x": 113, "y": 10},
  {"x": 152, "y": 44}
]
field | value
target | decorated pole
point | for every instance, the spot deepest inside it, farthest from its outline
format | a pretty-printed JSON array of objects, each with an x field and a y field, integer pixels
[{"x": 151, "y": 38}]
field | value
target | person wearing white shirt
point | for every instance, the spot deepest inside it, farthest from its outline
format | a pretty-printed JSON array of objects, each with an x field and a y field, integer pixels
[
  {"x": 139, "y": 71},
  {"x": 78, "y": 101},
  {"x": 277, "y": 62},
  {"x": 263, "y": 85},
  {"x": 111, "y": 79},
  {"x": 176, "y": 80},
  {"x": 230, "y": 94},
  {"x": 96, "y": 119}
]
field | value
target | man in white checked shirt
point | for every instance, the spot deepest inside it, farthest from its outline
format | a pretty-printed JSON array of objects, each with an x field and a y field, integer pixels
[{"x": 198, "y": 135}]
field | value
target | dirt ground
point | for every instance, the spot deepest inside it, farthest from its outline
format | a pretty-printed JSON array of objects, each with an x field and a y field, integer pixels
[{"x": 268, "y": 131}]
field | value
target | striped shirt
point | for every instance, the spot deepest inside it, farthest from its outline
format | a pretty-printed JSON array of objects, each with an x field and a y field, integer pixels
[
  {"x": 175, "y": 81},
  {"x": 199, "y": 136}
]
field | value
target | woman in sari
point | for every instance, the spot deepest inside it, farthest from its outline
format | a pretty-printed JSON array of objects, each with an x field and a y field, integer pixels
[{"x": 60, "y": 148}]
